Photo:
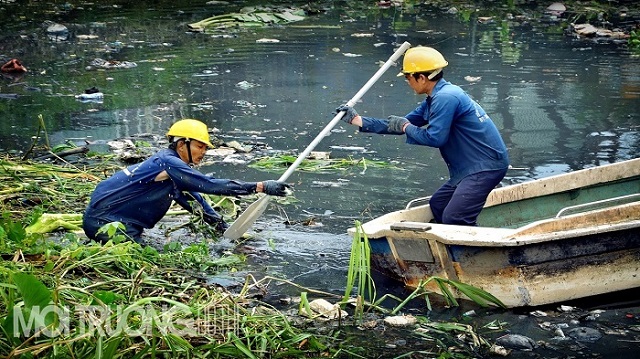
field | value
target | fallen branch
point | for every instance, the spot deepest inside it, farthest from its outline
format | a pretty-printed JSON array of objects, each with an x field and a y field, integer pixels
[{"x": 73, "y": 151}]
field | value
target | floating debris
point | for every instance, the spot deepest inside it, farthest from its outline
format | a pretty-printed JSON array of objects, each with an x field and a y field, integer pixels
[
  {"x": 348, "y": 54},
  {"x": 221, "y": 152},
  {"x": 362, "y": 35},
  {"x": 236, "y": 160},
  {"x": 327, "y": 310},
  {"x": 267, "y": 41},
  {"x": 499, "y": 350},
  {"x": 538, "y": 313},
  {"x": 250, "y": 17},
  {"x": 584, "y": 334},
  {"x": 91, "y": 95},
  {"x": 57, "y": 32},
  {"x": 246, "y": 85},
  {"x": 516, "y": 341},
  {"x": 112, "y": 64},
  {"x": 349, "y": 148},
  {"x": 327, "y": 184},
  {"x": 400, "y": 320},
  {"x": 13, "y": 66},
  {"x": 86, "y": 37},
  {"x": 588, "y": 30},
  {"x": 9, "y": 96},
  {"x": 319, "y": 155},
  {"x": 281, "y": 162},
  {"x": 556, "y": 9},
  {"x": 237, "y": 146},
  {"x": 566, "y": 308}
]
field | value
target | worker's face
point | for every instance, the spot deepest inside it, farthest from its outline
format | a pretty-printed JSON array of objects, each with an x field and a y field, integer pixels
[
  {"x": 198, "y": 149},
  {"x": 419, "y": 85}
]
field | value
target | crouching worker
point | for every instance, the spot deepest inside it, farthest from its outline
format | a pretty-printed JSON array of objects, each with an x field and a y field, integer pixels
[{"x": 141, "y": 194}]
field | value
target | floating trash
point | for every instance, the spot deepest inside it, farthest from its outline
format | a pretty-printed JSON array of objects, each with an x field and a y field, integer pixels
[
  {"x": 57, "y": 32},
  {"x": 516, "y": 341},
  {"x": 556, "y": 9},
  {"x": 91, "y": 95},
  {"x": 327, "y": 310},
  {"x": 246, "y": 85},
  {"x": 267, "y": 41},
  {"x": 584, "y": 334},
  {"x": 400, "y": 320},
  {"x": 112, "y": 64},
  {"x": 349, "y": 148}
]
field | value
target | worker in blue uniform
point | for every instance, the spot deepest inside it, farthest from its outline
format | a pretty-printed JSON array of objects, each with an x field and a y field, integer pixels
[
  {"x": 140, "y": 195},
  {"x": 450, "y": 120}
]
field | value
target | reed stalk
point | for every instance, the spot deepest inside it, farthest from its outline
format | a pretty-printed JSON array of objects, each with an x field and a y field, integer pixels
[{"x": 359, "y": 271}]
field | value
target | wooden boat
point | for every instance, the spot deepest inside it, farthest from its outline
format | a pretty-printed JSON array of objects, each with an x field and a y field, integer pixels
[{"x": 544, "y": 241}]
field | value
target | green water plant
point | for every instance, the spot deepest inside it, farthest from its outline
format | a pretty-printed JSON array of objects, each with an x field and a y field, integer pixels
[
  {"x": 634, "y": 41},
  {"x": 282, "y": 162},
  {"x": 122, "y": 300},
  {"x": 359, "y": 271},
  {"x": 249, "y": 17}
]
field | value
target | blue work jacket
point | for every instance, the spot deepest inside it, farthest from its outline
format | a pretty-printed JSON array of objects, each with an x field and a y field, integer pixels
[
  {"x": 134, "y": 196},
  {"x": 450, "y": 120}
]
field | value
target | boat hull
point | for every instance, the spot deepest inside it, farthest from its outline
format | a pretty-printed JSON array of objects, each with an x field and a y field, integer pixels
[
  {"x": 582, "y": 238},
  {"x": 529, "y": 275}
]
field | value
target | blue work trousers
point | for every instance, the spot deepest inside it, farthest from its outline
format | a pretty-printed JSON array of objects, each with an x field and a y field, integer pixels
[
  {"x": 91, "y": 225},
  {"x": 461, "y": 204}
]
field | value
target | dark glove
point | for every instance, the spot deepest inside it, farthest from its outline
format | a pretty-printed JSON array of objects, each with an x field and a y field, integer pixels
[
  {"x": 396, "y": 123},
  {"x": 349, "y": 113},
  {"x": 275, "y": 188},
  {"x": 215, "y": 221}
]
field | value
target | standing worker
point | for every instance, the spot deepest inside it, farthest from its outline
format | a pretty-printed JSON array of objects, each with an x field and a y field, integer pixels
[
  {"x": 141, "y": 194},
  {"x": 448, "y": 119}
]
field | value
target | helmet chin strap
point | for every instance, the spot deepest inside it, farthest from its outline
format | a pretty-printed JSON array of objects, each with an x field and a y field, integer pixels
[
  {"x": 433, "y": 74},
  {"x": 187, "y": 142}
]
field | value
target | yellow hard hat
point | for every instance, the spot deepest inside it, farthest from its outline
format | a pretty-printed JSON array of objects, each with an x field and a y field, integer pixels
[
  {"x": 422, "y": 59},
  {"x": 190, "y": 129}
]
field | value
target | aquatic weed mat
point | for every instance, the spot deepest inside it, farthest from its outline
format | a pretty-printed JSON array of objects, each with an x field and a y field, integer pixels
[{"x": 121, "y": 300}]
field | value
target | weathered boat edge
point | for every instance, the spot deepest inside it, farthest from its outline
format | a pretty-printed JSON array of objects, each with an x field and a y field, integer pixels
[{"x": 408, "y": 248}]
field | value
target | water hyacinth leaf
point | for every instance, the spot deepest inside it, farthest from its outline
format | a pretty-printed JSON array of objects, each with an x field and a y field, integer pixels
[
  {"x": 34, "y": 292},
  {"x": 107, "y": 297},
  {"x": 36, "y": 297},
  {"x": 49, "y": 265},
  {"x": 112, "y": 228},
  {"x": 12, "y": 231}
]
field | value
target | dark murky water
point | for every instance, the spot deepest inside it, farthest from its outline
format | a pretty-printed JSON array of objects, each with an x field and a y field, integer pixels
[{"x": 561, "y": 103}]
